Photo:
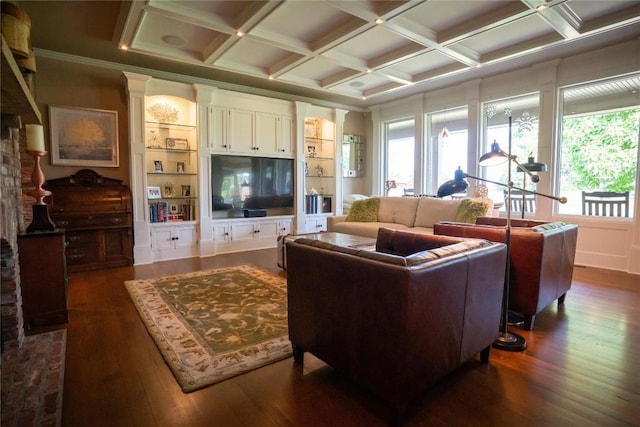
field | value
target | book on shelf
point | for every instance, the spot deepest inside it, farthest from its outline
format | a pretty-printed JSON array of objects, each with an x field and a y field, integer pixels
[
  {"x": 159, "y": 212},
  {"x": 313, "y": 203}
]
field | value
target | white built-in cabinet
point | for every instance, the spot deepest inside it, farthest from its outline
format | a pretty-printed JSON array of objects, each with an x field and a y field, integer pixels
[
  {"x": 202, "y": 121},
  {"x": 243, "y": 131},
  {"x": 175, "y": 241},
  {"x": 319, "y": 162},
  {"x": 168, "y": 150},
  {"x": 237, "y": 235}
]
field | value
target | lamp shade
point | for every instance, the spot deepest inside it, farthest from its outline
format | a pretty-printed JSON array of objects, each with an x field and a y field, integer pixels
[
  {"x": 532, "y": 166},
  {"x": 494, "y": 157},
  {"x": 456, "y": 185}
]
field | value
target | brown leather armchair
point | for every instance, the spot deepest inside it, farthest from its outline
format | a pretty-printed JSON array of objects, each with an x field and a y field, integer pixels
[
  {"x": 393, "y": 320},
  {"x": 541, "y": 259}
]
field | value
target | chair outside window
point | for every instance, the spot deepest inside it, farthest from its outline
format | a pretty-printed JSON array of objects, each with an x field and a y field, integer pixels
[
  {"x": 605, "y": 203},
  {"x": 517, "y": 201}
]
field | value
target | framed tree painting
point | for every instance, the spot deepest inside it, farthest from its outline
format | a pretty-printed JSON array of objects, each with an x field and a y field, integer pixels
[{"x": 83, "y": 137}]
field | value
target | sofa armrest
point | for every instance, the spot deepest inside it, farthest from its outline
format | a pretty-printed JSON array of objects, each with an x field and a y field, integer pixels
[{"x": 333, "y": 220}]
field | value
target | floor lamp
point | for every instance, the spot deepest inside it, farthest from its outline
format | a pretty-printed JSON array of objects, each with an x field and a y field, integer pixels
[
  {"x": 526, "y": 169},
  {"x": 506, "y": 340}
]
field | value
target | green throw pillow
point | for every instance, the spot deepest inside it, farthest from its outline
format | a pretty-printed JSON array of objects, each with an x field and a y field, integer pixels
[
  {"x": 470, "y": 209},
  {"x": 364, "y": 210}
]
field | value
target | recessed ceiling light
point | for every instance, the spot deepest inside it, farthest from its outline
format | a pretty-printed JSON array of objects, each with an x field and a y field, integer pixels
[
  {"x": 124, "y": 47},
  {"x": 239, "y": 33},
  {"x": 379, "y": 21},
  {"x": 173, "y": 40}
]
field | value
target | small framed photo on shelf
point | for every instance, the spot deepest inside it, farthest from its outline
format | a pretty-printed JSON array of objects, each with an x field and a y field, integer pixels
[
  {"x": 178, "y": 143},
  {"x": 153, "y": 140},
  {"x": 154, "y": 193},
  {"x": 180, "y": 167},
  {"x": 311, "y": 150},
  {"x": 173, "y": 209},
  {"x": 157, "y": 166},
  {"x": 186, "y": 191},
  {"x": 167, "y": 189}
]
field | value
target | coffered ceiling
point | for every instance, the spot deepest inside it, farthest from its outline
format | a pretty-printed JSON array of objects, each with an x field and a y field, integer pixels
[{"x": 354, "y": 52}]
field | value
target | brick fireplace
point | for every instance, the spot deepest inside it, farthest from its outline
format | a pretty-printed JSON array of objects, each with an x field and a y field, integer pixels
[{"x": 11, "y": 224}]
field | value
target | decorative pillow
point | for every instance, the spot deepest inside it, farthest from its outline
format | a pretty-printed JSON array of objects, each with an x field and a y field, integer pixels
[
  {"x": 470, "y": 209},
  {"x": 349, "y": 199},
  {"x": 364, "y": 210}
]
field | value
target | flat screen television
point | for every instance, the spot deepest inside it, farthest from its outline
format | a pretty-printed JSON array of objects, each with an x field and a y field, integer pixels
[{"x": 251, "y": 186}]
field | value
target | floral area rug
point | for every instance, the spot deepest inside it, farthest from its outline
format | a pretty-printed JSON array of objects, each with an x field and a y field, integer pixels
[{"x": 215, "y": 324}]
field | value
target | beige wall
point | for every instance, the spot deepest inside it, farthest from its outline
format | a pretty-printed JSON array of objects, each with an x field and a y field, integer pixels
[{"x": 75, "y": 85}]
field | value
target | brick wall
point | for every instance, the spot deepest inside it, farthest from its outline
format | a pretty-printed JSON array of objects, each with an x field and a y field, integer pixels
[{"x": 11, "y": 223}]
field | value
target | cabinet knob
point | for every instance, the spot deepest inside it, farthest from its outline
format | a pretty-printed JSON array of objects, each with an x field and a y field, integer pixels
[
  {"x": 116, "y": 220},
  {"x": 224, "y": 146},
  {"x": 282, "y": 150},
  {"x": 62, "y": 223},
  {"x": 226, "y": 234}
]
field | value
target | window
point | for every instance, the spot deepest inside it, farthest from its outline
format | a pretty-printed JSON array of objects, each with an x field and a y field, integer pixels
[
  {"x": 399, "y": 157},
  {"x": 448, "y": 133},
  {"x": 524, "y": 112},
  {"x": 599, "y": 141}
]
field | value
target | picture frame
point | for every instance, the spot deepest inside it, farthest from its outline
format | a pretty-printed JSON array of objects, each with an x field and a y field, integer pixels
[
  {"x": 154, "y": 193},
  {"x": 157, "y": 166},
  {"x": 186, "y": 191},
  {"x": 177, "y": 143},
  {"x": 180, "y": 168},
  {"x": 173, "y": 209},
  {"x": 167, "y": 189},
  {"x": 83, "y": 137},
  {"x": 311, "y": 150}
]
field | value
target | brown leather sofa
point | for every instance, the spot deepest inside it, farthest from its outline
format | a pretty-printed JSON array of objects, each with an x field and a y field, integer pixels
[
  {"x": 399, "y": 318},
  {"x": 542, "y": 259}
]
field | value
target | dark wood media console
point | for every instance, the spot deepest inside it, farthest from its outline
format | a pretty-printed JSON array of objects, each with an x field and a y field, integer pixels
[{"x": 96, "y": 213}]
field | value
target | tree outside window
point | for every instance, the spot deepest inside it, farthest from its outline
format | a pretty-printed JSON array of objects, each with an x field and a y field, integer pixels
[{"x": 599, "y": 144}]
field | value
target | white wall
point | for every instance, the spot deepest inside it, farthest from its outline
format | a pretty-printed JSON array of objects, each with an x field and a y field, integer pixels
[{"x": 606, "y": 243}]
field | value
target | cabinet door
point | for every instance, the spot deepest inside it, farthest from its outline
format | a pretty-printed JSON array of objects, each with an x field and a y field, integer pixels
[
  {"x": 314, "y": 224},
  {"x": 284, "y": 227},
  {"x": 267, "y": 230},
  {"x": 184, "y": 237},
  {"x": 221, "y": 233},
  {"x": 267, "y": 133},
  {"x": 285, "y": 143},
  {"x": 219, "y": 133},
  {"x": 162, "y": 239},
  {"x": 241, "y": 131},
  {"x": 242, "y": 231}
]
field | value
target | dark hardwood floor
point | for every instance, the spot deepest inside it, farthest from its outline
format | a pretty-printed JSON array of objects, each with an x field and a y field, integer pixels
[{"x": 581, "y": 367}]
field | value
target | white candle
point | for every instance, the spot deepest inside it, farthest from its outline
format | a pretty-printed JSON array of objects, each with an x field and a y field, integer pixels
[{"x": 35, "y": 138}]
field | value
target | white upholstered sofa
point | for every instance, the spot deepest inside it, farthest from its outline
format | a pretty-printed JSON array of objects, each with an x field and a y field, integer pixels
[{"x": 417, "y": 214}]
